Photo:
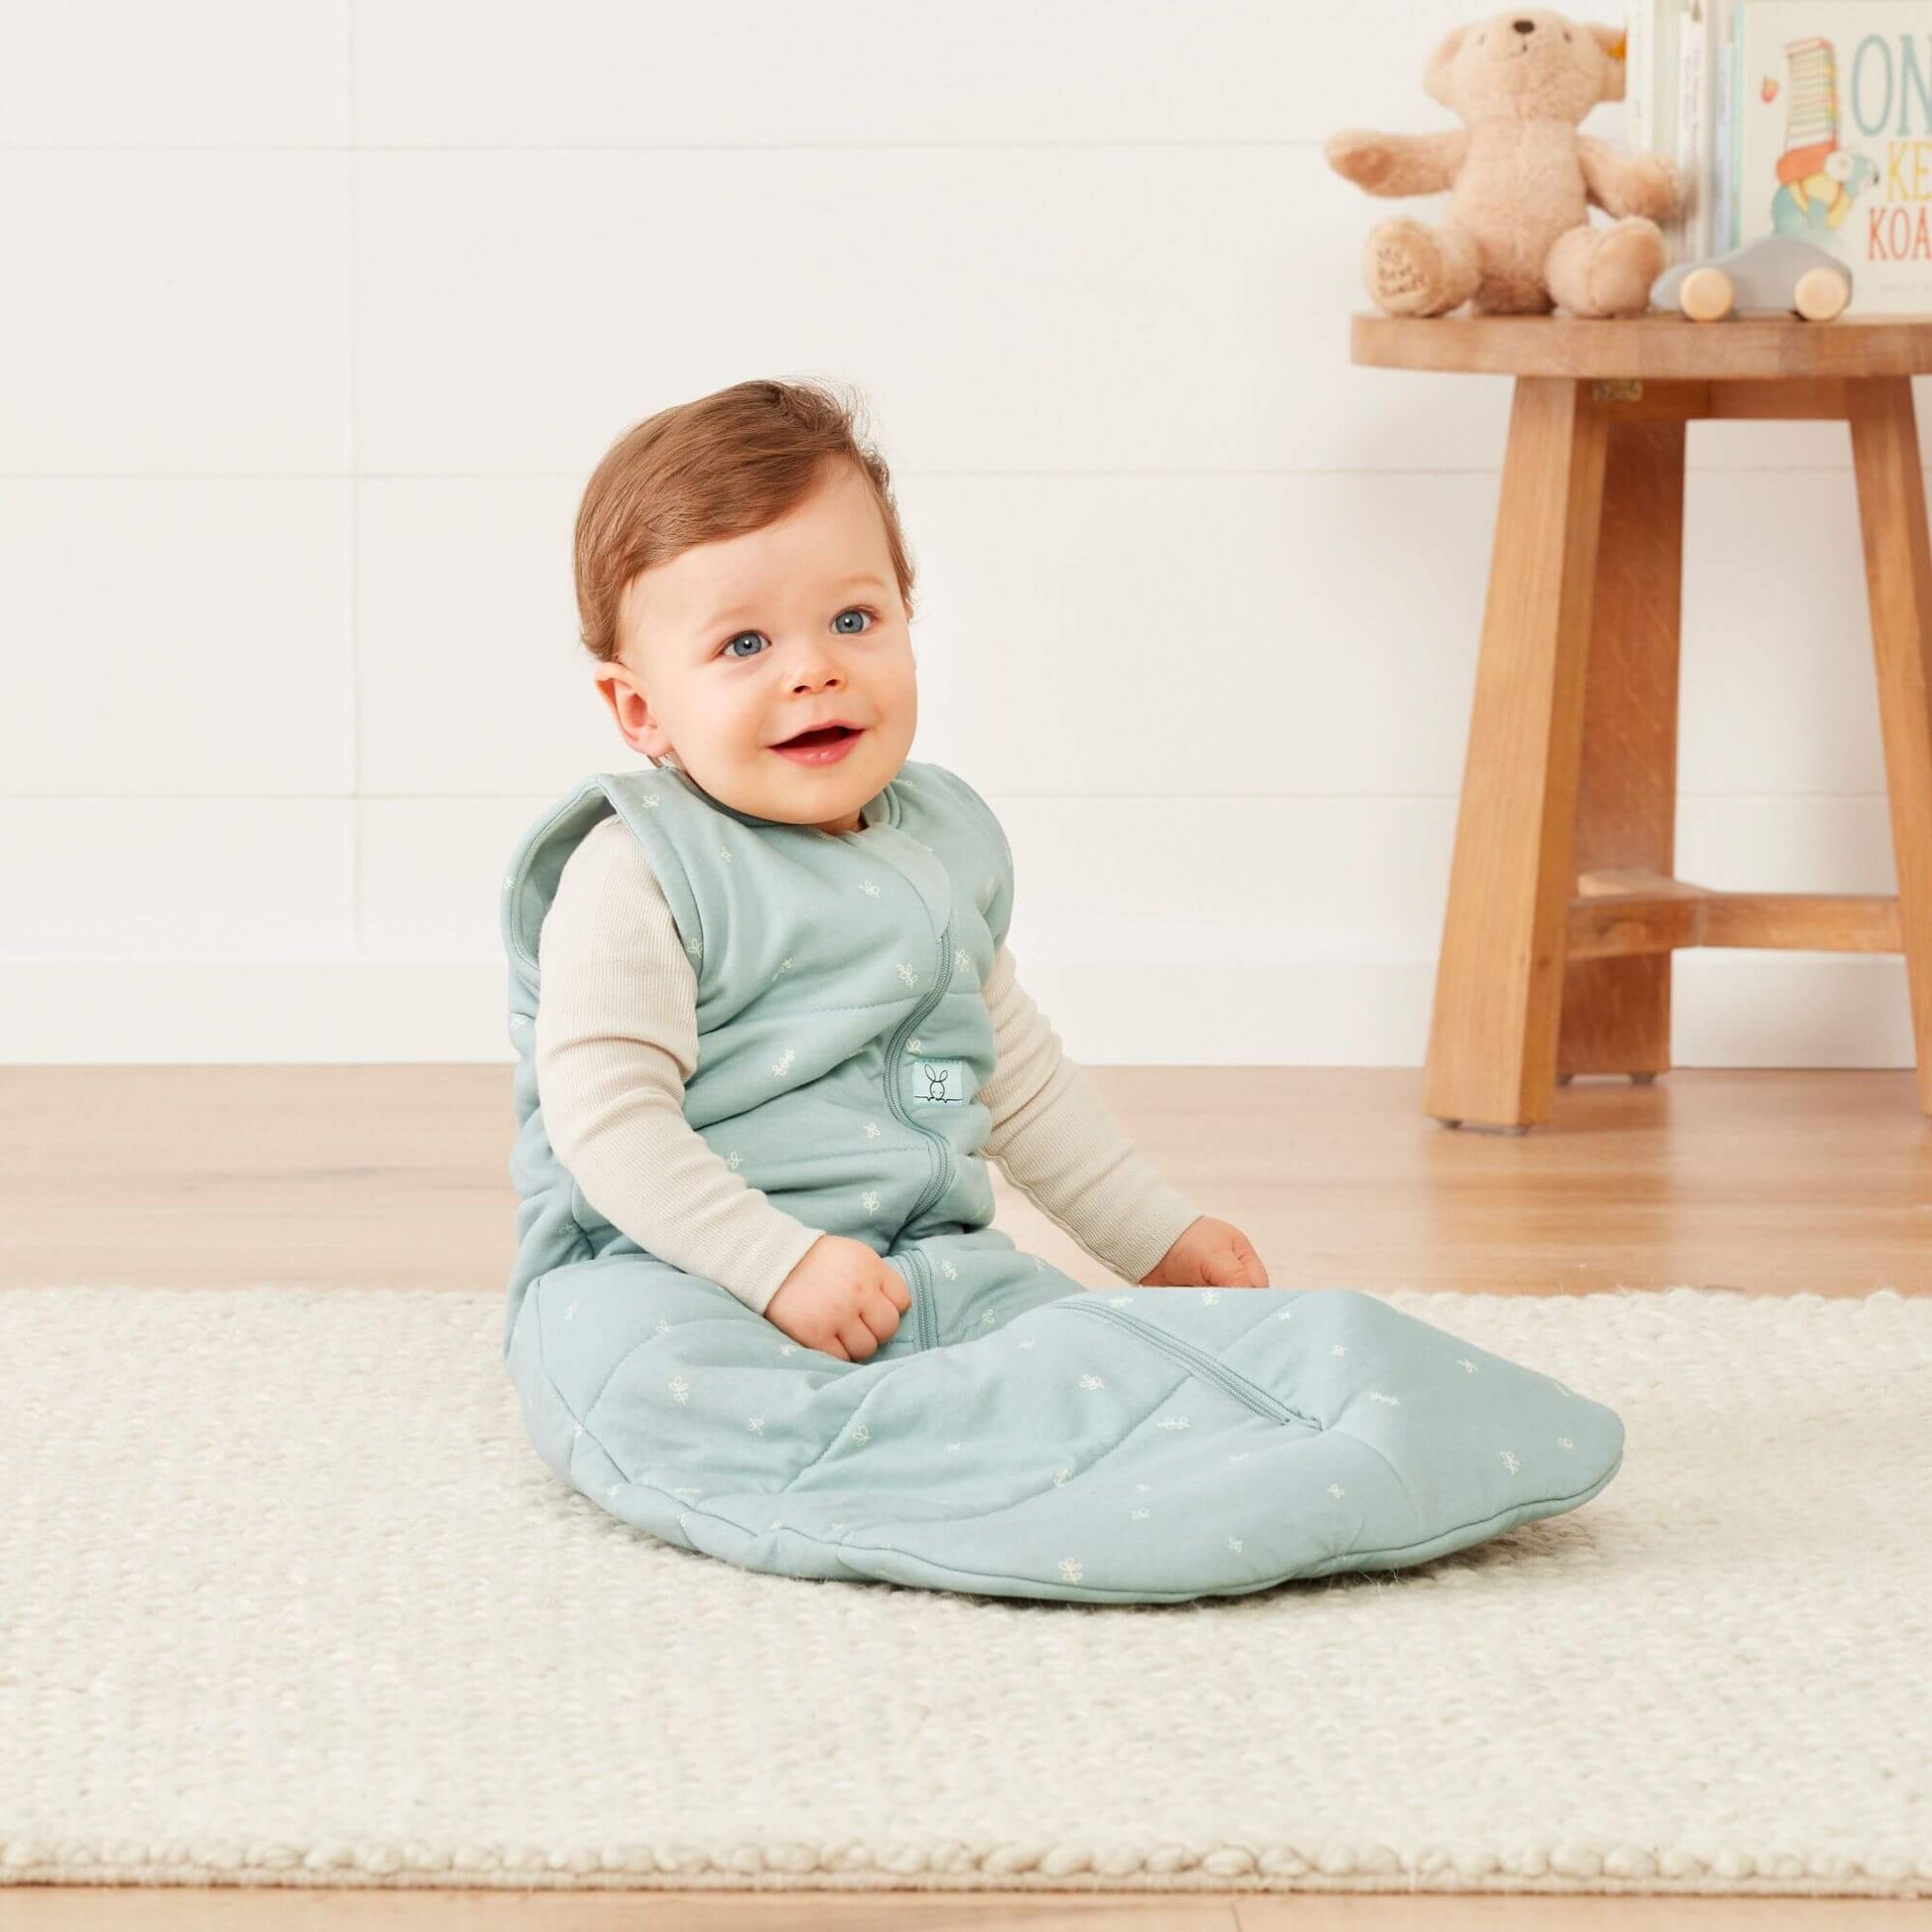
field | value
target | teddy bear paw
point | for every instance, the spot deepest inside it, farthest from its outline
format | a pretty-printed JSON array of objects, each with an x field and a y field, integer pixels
[
  {"x": 1607, "y": 271},
  {"x": 1628, "y": 258},
  {"x": 1412, "y": 270}
]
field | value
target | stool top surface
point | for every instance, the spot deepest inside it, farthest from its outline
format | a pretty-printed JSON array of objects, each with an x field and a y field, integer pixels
[{"x": 1662, "y": 348}]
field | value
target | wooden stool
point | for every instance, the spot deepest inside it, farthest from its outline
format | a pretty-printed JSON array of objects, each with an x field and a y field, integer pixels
[{"x": 1562, "y": 911}]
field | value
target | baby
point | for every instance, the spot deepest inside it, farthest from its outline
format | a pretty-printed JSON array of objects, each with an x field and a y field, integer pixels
[{"x": 743, "y": 583}]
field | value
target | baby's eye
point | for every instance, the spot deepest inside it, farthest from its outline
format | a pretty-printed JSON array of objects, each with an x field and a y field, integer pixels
[
  {"x": 857, "y": 610},
  {"x": 742, "y": 635}
]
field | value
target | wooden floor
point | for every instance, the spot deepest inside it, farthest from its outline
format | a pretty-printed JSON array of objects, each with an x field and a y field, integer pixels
[{"x": 1767, "y": 1182}]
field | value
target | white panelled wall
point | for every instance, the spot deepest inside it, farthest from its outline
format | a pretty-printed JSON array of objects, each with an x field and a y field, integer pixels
[{"x": 320, "y": 314}]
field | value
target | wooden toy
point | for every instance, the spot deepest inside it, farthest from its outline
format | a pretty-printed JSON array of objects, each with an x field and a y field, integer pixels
[{"x": 1776, "y": 272}]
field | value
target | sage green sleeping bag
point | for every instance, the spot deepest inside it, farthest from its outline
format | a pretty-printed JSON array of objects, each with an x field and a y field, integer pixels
[{"x": 1017, "y": 1435}]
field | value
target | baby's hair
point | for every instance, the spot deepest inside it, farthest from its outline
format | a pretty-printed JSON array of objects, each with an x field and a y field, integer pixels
[{"x": 728, "y": 462}]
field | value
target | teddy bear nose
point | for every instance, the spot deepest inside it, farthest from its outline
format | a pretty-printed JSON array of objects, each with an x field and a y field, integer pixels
[{"x": 1524, "y": 26}]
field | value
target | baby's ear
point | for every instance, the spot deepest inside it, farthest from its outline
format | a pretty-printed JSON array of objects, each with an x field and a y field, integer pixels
[{"x": 1611, "y": 40}]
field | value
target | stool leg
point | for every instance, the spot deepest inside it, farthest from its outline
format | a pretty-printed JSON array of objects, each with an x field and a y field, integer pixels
[
  {"x": 1898, "y": 586},
  {"x": 1493, "y": 1038},
  {"x": 1616, "y": 1012}
]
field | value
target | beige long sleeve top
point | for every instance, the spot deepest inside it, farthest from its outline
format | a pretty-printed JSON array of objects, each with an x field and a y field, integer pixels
[{"x": 617, "y": 1038}]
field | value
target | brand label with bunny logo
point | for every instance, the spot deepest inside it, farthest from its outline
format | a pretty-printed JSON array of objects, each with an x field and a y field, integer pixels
[{"x": 925, "y": 1081}]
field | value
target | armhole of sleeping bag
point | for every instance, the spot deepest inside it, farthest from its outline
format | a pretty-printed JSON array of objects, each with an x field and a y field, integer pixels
[
  {"x": 672, "y": 879},
  {"x": 999, "y": 915}
]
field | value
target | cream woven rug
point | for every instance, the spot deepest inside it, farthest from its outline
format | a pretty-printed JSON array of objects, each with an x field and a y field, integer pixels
[{"x": 286, "y": 1598}]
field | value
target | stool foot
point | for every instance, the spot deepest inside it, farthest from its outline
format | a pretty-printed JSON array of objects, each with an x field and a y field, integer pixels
[
  {"x": 1499, "y": 973},
  {"x": 1564, "y": 1080},
  {"x": 1642, "y": 1079},
  {"x": 1887, "y": 461}
]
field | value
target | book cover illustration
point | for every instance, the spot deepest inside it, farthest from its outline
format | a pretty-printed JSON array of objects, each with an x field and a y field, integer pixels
[{"x": 1835, "y": 101}]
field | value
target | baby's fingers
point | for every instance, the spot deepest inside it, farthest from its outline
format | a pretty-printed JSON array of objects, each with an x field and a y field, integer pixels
[{"x": 1243, "y": 1265}]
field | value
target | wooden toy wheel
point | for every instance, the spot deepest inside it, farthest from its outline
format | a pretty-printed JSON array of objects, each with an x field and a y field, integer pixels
[
  {"x": 1821, "y": 294},
  {"x": 1706, "y": 295}
]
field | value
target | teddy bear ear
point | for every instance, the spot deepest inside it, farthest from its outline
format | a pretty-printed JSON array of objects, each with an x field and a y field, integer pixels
[
  {"x": 1611, "y": 40},
  {"x": 1435, "y": 75}
]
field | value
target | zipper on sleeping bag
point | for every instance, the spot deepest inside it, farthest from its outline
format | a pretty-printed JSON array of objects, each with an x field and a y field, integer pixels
[
  {"x": 1197, "y": 1360},
  {"x": 919, "y": 1271},
  {"x": 941, "y": 1176},
  {"x": 925, "y": 1325}
]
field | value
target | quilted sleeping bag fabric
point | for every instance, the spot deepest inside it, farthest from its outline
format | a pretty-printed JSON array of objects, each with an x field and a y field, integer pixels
[{"x": 1018, "y": 1435}]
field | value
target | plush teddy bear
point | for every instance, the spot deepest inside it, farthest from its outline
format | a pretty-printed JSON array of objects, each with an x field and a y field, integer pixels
[{"x": 1518, "y": 237}]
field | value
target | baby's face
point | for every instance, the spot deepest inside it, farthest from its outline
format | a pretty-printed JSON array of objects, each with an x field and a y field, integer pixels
[{"x": 736, "y": 645}]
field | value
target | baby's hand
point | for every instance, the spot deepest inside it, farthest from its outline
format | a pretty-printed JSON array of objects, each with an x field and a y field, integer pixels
[
  {"x": 841, "y": 1299},
  {"x": 1209, "y": 1254}
]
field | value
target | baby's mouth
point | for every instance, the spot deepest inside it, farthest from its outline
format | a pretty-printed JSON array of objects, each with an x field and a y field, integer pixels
[{"x": 827, "y": 735}]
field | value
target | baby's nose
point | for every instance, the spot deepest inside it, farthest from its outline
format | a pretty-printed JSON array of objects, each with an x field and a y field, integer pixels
[{"x": 1524, "y": 26}]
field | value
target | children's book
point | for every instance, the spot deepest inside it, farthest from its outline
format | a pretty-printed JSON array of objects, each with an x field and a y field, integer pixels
[
  {"x": 1694, "y": 97},
  {"x": 1832, "y": 102},
  {"x": 1674, "y": 57},
  {"x": 1650, "y": 90}
]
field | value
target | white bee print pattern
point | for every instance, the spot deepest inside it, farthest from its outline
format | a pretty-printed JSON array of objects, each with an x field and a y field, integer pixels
[
  {"x": 1173, "y": 1421},
  {"x": 1087, "y": 1381},
  {"x": 871, "y": 1130},
  {"x": 1071, "y": 1569},
  {"x": 782, "y": 1064},
  {"x": 733, "y": 1159},
  {"x": 909, "y": 973},
  {"x": 868, "y": 886},
  {"x": 870, "y": 1198},
  {"x": 679, "y": 1388},
  {"x": 1509, "y": 1460}
]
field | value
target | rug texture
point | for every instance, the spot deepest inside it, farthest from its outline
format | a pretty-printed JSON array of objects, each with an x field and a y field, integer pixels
[{"x": 286, "y": 1597}]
